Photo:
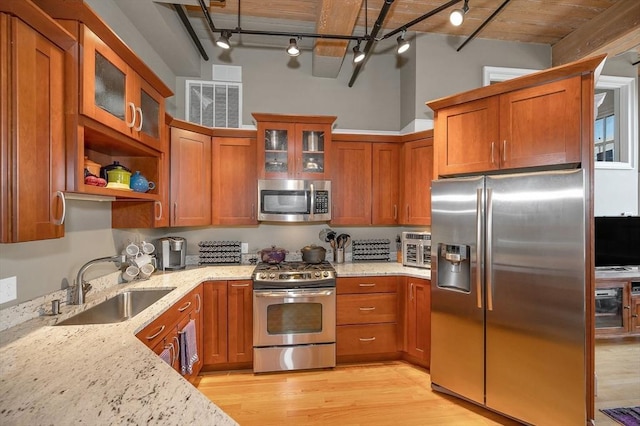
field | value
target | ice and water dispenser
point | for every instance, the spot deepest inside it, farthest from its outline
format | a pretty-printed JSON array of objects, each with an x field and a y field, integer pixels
[{"x": 454, "y": 267}]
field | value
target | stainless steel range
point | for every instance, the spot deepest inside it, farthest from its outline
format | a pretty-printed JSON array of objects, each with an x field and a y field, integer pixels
[{"x": 294, "y": 316}]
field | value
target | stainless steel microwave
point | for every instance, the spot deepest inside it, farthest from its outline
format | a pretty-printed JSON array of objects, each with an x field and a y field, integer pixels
[{"x": 294, "y": 200}]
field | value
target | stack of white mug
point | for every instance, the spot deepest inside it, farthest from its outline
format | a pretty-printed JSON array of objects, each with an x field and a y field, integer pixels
[{"x": 140, "y": 260}]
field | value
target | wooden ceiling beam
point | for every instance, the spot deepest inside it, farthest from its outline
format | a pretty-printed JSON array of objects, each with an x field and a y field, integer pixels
[
  {"x": 614, "y": 31},
  {"x": 336, "y": 17}
]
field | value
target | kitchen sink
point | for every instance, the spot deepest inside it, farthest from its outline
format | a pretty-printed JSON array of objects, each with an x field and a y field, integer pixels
[{"x": 119, "y": 308}]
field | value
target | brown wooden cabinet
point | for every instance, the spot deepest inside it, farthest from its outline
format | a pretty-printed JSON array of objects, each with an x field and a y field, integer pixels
[
  {"x": 385, "y": 183},
  {"x": 635, "y": 315},
  {"x": 190, "y": 178},
  {"x": 417, "y": 339},
  {"x": 33, "y": 134},
  {"x": 117, "y": 111},
  {"x": 417, "y": 174},
  {"x": 114, "y": 94},
  {"x": 351, "y": 183},
  {"x": 163, "y": 332},
  {"x": 616, "y": 308},
  {"x": 228, "y": 324},
  {"x": 365, "y": 180},
  {"x": 234, "y": 191},
  {"x": 147, "y": 214},
  {"x": 367, "y": 318},
  {"x": 293, "y": 147},
  {"x": 527, "y": 123}
]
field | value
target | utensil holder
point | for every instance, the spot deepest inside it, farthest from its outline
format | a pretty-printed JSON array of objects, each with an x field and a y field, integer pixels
[{"x": 339, "y": 255}]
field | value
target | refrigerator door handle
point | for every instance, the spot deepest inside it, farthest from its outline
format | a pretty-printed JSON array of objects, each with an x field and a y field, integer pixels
[
  {"x": 489, "y": 250},
  {"x": 479, "y": 248}
]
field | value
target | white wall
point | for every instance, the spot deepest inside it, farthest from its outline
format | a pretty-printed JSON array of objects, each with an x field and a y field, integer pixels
[
  {"x": 617, "y": 191},
  {"x": 442, "y": 71}
]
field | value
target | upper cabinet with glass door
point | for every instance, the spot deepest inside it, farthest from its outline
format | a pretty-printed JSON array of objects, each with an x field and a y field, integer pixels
[
  {"x": 293, "y": 147},
  {"x": 114, "y": 94}
]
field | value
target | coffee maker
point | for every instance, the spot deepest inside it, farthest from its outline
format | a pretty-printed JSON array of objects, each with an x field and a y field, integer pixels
[{"x": 171, "y": 253}]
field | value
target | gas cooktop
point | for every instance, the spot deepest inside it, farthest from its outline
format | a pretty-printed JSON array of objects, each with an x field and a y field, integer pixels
[{"x": 293, "y": 275}]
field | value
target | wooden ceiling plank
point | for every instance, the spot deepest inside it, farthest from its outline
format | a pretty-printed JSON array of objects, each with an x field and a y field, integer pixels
[
  {"x": 336, "y": 17},
  {"x": 613, "y": 31}
]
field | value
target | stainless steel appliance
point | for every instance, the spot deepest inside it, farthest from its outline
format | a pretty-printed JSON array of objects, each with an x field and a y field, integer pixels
[
  {"x": 294, "y": 200},
  {"x": 294, "y": 316},
  {"x": 416, "y": 249},
  {"x": 508, "y": 294},
  {"x": 171, "y": 253}
]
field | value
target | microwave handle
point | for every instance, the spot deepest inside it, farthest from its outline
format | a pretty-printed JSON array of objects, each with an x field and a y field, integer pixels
[{"x": 313, "y": 201}]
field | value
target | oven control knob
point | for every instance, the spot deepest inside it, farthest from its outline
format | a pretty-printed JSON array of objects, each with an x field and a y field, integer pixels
[
  {"x": 317, "y": 274},
  {"x": 272, "y": 275},
  {"x": 262, "y": 276},
  {"x": 325, "y": 274}
]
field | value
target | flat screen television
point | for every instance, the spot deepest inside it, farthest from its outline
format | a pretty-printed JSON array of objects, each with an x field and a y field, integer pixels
[{"x": 617, "y": 241}]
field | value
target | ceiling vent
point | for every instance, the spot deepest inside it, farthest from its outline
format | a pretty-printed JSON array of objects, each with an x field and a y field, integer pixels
[{"x": 216, "y": 103}]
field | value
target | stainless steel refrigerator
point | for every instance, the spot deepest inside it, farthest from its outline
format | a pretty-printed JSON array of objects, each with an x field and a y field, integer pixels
[{"x": 508, "y": 294}]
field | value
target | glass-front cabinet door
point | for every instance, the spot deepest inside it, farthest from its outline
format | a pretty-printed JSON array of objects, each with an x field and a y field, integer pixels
[
  {"x": 106, "y": 84},
  {"x": 612, "y": 305},
  {"x": 278, "y": 156},
  {"x": 150, "y": 116},
  {"x": 293, "y": 147},
  {"x": 115, "y": 95}
]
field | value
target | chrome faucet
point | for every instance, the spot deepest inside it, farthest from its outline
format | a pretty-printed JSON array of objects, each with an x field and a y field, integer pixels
[{"x": 83, "y": 287}]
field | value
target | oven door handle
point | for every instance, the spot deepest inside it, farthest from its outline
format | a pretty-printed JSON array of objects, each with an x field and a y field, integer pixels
[{"x": 293, "y": 293}]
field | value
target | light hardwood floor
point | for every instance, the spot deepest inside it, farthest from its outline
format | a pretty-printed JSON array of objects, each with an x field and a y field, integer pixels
[
  {"x": 618, "y": 376},
  {"x": 390, "y": 393}
]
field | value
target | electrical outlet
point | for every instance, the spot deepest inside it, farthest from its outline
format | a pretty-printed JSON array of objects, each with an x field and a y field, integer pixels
[{"x": 8, "y": 289}]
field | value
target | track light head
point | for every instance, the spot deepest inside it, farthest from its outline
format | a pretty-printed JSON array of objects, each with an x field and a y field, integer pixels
[
  {"x": 223, "y": 40},
  {"x": 293, "y": 49},
  {"x": 457, "y": 15},
  {"x": 358, "y": 56},
  {"x": 403, "y": 45}
]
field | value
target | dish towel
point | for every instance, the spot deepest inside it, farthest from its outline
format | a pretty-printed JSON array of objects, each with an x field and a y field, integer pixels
[
  {"x": 165, "y": 355},
  {"x": 188, "y": 348}
]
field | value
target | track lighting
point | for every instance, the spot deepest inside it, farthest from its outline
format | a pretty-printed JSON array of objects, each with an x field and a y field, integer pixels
[
  {"x": 457, "y": 15},
  {"x": 403, "y": 45},
  {"x": 223, "y": 41},
  {"x": 293, "y": 49},
  {"x": 358, "y": 56}
]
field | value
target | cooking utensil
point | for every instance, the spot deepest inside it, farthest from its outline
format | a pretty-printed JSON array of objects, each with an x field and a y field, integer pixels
[
  {"x": 313, "y": 254},
  {"x": 342, "y": 240},
  {"x": 331, "y": 238},
  {"x": 272, "y": 254}
]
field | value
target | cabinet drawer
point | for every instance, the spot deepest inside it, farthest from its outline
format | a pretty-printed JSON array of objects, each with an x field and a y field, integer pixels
[
  {"x": 367, "y": 285},
  {"x": 158, "y": 328},
  {"x": 365, "y": 339},
  {"x": 366, "y": 308}
]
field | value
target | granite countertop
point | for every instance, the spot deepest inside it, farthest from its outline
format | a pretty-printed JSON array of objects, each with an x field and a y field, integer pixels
[{"x": 102, "y": 374}]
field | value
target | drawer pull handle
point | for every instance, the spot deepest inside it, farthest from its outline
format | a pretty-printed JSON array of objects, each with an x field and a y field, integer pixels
[
  {"x": 367, "y": 308},
  {"x": 367, "y": 284},
  {"x": 153, "y": 336},
  {"x": 186, "y": 305},
  {"x": 240, "y": 285},
  {"x": 367, "y": 339},
  {"x": 175, "y": 339}
]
